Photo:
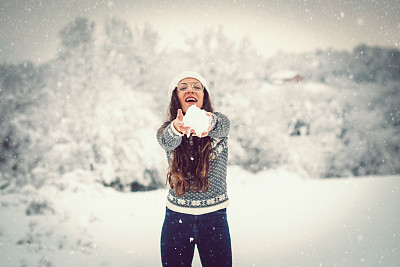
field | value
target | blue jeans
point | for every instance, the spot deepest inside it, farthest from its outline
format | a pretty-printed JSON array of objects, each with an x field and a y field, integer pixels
[{"x": 210, "y": 232}]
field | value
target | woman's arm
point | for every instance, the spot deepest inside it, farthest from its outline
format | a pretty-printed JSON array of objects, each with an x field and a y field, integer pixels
[
  {"x": 220, "y": 125},
  {"x": 169, "y": 135}
]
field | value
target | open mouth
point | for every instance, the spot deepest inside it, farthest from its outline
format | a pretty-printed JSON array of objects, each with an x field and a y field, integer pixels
[{"x": 190, "y": 100}]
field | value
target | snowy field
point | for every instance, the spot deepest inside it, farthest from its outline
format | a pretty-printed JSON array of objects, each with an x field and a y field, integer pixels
[{"x": 276, "y": 219}]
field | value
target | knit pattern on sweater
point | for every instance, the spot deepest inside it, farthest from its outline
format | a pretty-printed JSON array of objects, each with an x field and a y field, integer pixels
[{"x": 216, "y": 197}]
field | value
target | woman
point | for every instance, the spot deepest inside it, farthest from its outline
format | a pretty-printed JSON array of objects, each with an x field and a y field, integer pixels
[{"x": 197, "y": 199}]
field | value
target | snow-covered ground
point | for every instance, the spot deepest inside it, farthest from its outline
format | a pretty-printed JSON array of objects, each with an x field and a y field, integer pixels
[{"x": 275, "y": 217}]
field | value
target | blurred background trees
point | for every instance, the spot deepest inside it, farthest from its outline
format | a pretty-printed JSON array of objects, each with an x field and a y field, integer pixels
[{"x": 94, "y": 109}]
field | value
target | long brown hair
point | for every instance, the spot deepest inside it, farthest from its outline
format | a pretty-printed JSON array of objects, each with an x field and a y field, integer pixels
[{"x": 190, "y": 162}]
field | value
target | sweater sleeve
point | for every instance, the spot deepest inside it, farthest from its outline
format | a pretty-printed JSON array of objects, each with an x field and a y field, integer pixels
[
  {"x": 169, "y": 138},
  {"x": 220, "y": 125}
]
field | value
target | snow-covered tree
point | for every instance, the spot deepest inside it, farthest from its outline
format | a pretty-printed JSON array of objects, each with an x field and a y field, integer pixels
[
  {"x": 94, "y": 109},
  {"x": 21, "y": 102}
]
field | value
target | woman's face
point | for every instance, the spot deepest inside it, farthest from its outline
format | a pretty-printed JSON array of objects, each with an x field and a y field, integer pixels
[{"x": 190, "y": 96}]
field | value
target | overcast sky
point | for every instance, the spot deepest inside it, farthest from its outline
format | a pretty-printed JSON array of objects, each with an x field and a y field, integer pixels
[{"x": 29, "y": 28}]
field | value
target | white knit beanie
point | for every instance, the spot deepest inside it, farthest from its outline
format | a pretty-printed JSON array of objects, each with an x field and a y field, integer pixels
[{"x": 183, "y": 75}]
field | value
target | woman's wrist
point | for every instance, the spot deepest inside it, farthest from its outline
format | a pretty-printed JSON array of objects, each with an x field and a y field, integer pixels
[
  {"x": 174, "y": 123},
  {"x": 175, "y": 128}
]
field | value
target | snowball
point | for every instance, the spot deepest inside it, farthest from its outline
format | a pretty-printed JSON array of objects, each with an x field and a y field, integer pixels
[{"x": 197, "y": 120}]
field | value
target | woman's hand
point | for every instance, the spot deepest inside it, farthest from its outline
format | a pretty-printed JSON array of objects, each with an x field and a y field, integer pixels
[{"x": 178, "y": 123}]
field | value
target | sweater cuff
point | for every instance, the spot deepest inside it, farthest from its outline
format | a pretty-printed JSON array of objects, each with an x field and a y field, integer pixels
[{"x": 175, "y": 131}]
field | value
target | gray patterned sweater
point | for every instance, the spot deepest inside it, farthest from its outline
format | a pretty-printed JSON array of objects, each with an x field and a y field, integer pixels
[{"x": 216, "y": 197}]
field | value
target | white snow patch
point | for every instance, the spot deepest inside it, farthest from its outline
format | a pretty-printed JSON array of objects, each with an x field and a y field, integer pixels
[
  {"x": 290, "y": 222},
  {"x": 197, "y": 119}
]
